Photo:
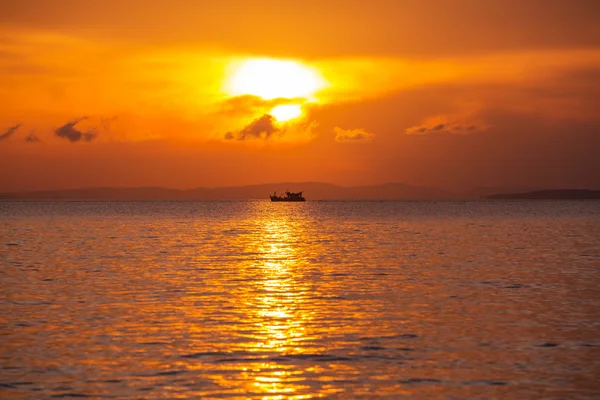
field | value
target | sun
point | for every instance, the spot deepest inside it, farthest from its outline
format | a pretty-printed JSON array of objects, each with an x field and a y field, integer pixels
[
  {"x": 285, "y": 112},
  {"x": 271, "y": 79}
]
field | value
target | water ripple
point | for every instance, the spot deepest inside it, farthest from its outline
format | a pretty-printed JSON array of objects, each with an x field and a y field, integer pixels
[{"x": 324, "y": 299}]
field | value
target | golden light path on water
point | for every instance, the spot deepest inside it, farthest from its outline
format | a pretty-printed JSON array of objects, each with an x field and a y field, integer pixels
[
  {"x": 277, "y": 311},
  {"x": 267, "y": 323},
  {"x": 275, "y": 308}
]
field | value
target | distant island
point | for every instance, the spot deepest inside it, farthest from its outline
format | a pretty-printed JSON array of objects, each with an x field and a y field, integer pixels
[
  {"x": 312, "y": 191},
  {"x": 558, "y": 194}
]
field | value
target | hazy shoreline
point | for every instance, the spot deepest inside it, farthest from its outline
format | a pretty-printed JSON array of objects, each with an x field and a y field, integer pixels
[{"x": 313, "y": 191}]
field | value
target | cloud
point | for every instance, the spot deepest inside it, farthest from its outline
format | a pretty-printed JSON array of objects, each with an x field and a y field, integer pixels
[
  {"x": 248, "y": 105},
  {"x": 456, "y": 128},
  {"x": 352, "y": 135},
  {"x": 32, "y": 138},
  {"x": 8, "y": 133},
  {"x": 69, "y": 132},
  {"x": 307, "y": 130},
  {"x": 261, "y": 128},
  {"x": 106, "y": 122}
]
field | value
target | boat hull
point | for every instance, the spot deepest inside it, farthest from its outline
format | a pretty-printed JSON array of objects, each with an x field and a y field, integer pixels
[{"x": 286, "y": 200}]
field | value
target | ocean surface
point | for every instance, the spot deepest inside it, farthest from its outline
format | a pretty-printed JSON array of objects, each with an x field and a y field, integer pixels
[{"x": 252, "y": 299}]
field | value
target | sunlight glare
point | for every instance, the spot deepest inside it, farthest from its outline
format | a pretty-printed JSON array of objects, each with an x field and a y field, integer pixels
[
  {"x": 285, "y": 112},
  {"x": 272, "y": 79}
]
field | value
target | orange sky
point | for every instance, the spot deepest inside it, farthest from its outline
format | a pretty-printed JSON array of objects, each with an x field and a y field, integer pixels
[{"x": 455, "y": 94}]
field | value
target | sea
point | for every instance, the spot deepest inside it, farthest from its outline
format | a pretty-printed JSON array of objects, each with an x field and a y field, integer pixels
[{"x": 334, "y": 300}]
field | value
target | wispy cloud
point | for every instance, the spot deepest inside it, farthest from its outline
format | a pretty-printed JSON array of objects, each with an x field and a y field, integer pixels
[
  {"x": 248, "y": 104},
  {"x": 32, "y": 138},
  {"x": 453, "y": 128},
  {"x": 352, "y": 135},
  {"x": 9, "y": 132}
]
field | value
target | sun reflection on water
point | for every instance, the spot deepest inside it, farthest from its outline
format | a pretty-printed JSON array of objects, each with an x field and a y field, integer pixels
[{"x": 278, "y": 313}]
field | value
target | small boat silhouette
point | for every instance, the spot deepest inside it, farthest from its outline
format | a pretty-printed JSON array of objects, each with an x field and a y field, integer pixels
[{"x": 289, "y": 196}]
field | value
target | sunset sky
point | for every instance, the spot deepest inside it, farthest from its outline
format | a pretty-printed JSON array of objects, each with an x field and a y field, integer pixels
[{"x": 185, "y": 93}]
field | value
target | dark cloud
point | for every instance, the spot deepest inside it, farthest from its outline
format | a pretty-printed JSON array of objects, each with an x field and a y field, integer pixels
[
  {"x": 261, "y": 128},
  {"x": 8, "y": 133},
  {"x": 444, "y": 128},
  {"x": 32, "y": 138},
  {"x": 351, "y": 135},
  {"x": 69, "y": 132}
]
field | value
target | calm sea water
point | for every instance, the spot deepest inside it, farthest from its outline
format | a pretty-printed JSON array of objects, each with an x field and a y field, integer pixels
[{"x": 323, "y": 299}]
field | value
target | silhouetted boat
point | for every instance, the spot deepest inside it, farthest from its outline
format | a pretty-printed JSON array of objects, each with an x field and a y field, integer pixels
[{"x": 289, "y": 196}]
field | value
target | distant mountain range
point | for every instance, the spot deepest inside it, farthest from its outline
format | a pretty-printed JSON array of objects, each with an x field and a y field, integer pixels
[{"x": 312, "y": 191}]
